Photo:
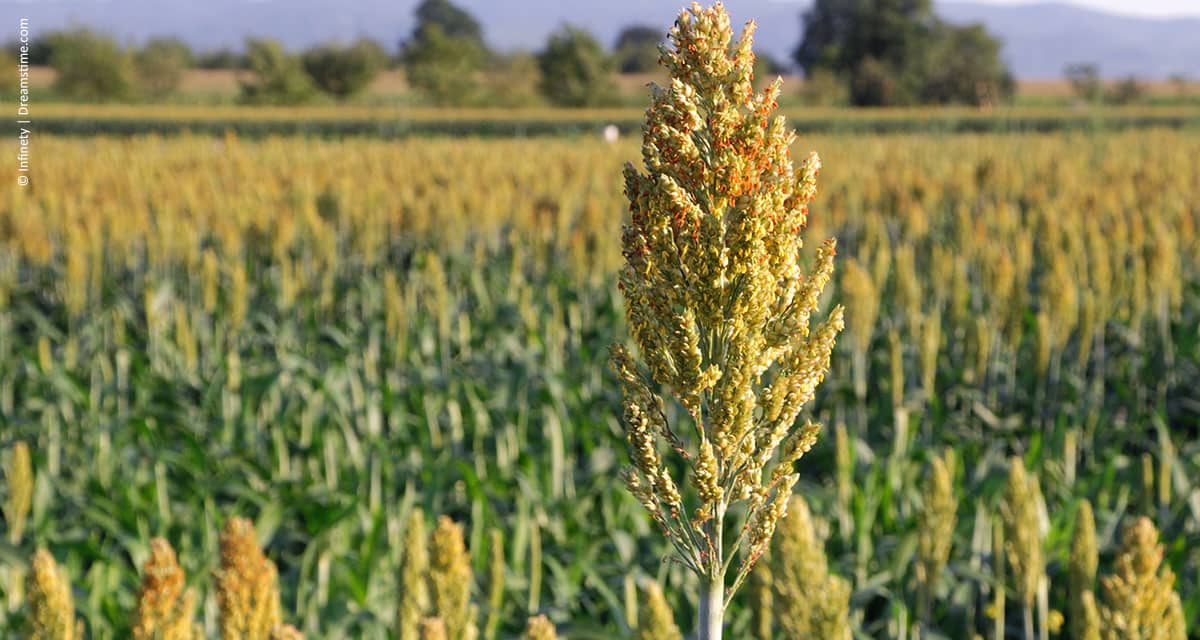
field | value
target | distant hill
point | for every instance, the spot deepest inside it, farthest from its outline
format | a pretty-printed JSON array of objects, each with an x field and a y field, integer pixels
[{"x": 1040, "y": 39}]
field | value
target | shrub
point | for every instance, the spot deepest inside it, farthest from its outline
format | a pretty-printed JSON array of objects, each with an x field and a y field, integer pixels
[
  {"x": 161, "y": 64},
  {"x": 344, "y": 71},
  {"x": 91, "y": 67},
  {"x": 276, "y": 77},
  {"x": 576, "y": 71}
]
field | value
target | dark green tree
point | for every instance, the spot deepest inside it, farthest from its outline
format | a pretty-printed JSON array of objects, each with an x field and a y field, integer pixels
[
  {"x": 443, "y": 57},
  {"x": 637, "y": 49},
  {"x": 342, "y": 71},
  {"x": 965, "y": 68},
  {"x": 892, "y": 52},
  {"x": 91, "y": 66},
  {"x": 160, "y": 65},
  {"x": 455, "y": 22},
  {"x": 276, "y": 76},
  {"x": 576, "y": 71}
]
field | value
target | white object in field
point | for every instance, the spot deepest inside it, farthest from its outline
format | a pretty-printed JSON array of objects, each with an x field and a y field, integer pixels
[{"x": 611, "y": 133}]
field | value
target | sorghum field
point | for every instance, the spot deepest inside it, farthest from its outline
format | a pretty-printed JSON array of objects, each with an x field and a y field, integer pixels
[{"x": 323, "y": 335}]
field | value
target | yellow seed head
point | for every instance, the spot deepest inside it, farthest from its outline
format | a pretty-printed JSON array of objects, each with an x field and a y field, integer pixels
[
  {"x": 18, "y": 475},
  {"x": 414, "y": 590},
  {"x": 1139, "y": 597},
  {"x": 717, "y": 300},
  {"x": 247, "y": 585},
  {"x": 433, "y": 629},
  {"x": 1023, "y": 531},
  {"x": 451, "y": 580},
  {"x": 656, "y": 620},
  {"x": 1084, "y": 557},
  {"x": 51, "y": 607},
  {"x": 938, "y": 517},
  {"x": 540, "y": 628},
  {"x": 809, "y": 602},
  {"x": 164, "y": 610},
  {"x": 286, "y": 632}
]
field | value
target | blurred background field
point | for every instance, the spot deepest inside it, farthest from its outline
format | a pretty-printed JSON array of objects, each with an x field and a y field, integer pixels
[
  {"x": 322, "y": 279},
  {"x": 322, "y": 334}
]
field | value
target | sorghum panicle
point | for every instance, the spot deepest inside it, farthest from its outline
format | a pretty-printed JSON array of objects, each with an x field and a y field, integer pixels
[
  {"x": 18, "y": 475},
  {"x": 247, "y": 585},
  {"x": 1081, "y": 569},
  {"x": 539, "y": 628},
  {"x": 51, "y": 606},
  {"x": 1139, "y": 597},
  {"x": 451, "y": 580},
  {"x": 165, "y": 606},
  {"x": 656, "y": 620},
  {"x": 1023, "y": 532},
  {"x": 717, "y": 300},
  {"x": 414, "y": 590},
  {"x": 809, "y": 602},
  {"x": 938, "y": 518}
]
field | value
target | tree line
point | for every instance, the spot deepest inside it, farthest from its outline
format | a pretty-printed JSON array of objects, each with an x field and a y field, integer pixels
[{"x": 859, "y": 52}]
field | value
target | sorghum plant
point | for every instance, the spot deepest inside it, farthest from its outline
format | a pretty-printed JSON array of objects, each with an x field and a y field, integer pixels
[{"x": 719, "y": 307}]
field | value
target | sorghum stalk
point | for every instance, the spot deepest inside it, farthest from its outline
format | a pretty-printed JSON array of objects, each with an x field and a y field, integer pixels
[{"x": 719, "y": 306}]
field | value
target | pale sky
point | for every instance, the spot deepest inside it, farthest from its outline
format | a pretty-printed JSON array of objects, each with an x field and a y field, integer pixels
[{"x": 1156, "y": 8}]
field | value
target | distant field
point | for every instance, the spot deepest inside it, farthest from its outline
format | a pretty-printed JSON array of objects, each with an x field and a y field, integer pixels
[{"x": 223, "y": 84}]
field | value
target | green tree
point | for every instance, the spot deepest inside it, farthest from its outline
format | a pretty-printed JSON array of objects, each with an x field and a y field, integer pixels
[
  {"x": 344, "y": 71},
  {"x": 160, "y": 65},
  {"x": 91, "y": 66},
  {"x": 276, "y": 77},
  {"x": 455, "y": 22},
  {"x": 965, "y": 68},
  {"x": 576, "y": 71},
  {"x": 445, "y": 53},
  {"x": 897, "y": 52},
  {"x": 637, "y": 49}
]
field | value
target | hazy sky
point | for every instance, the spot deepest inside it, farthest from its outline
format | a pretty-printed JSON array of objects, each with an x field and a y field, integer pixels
[{"x": 1133, "y": 7}]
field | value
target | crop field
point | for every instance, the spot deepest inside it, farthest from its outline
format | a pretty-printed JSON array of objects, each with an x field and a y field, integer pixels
[{"x": 324, "y": 334}]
